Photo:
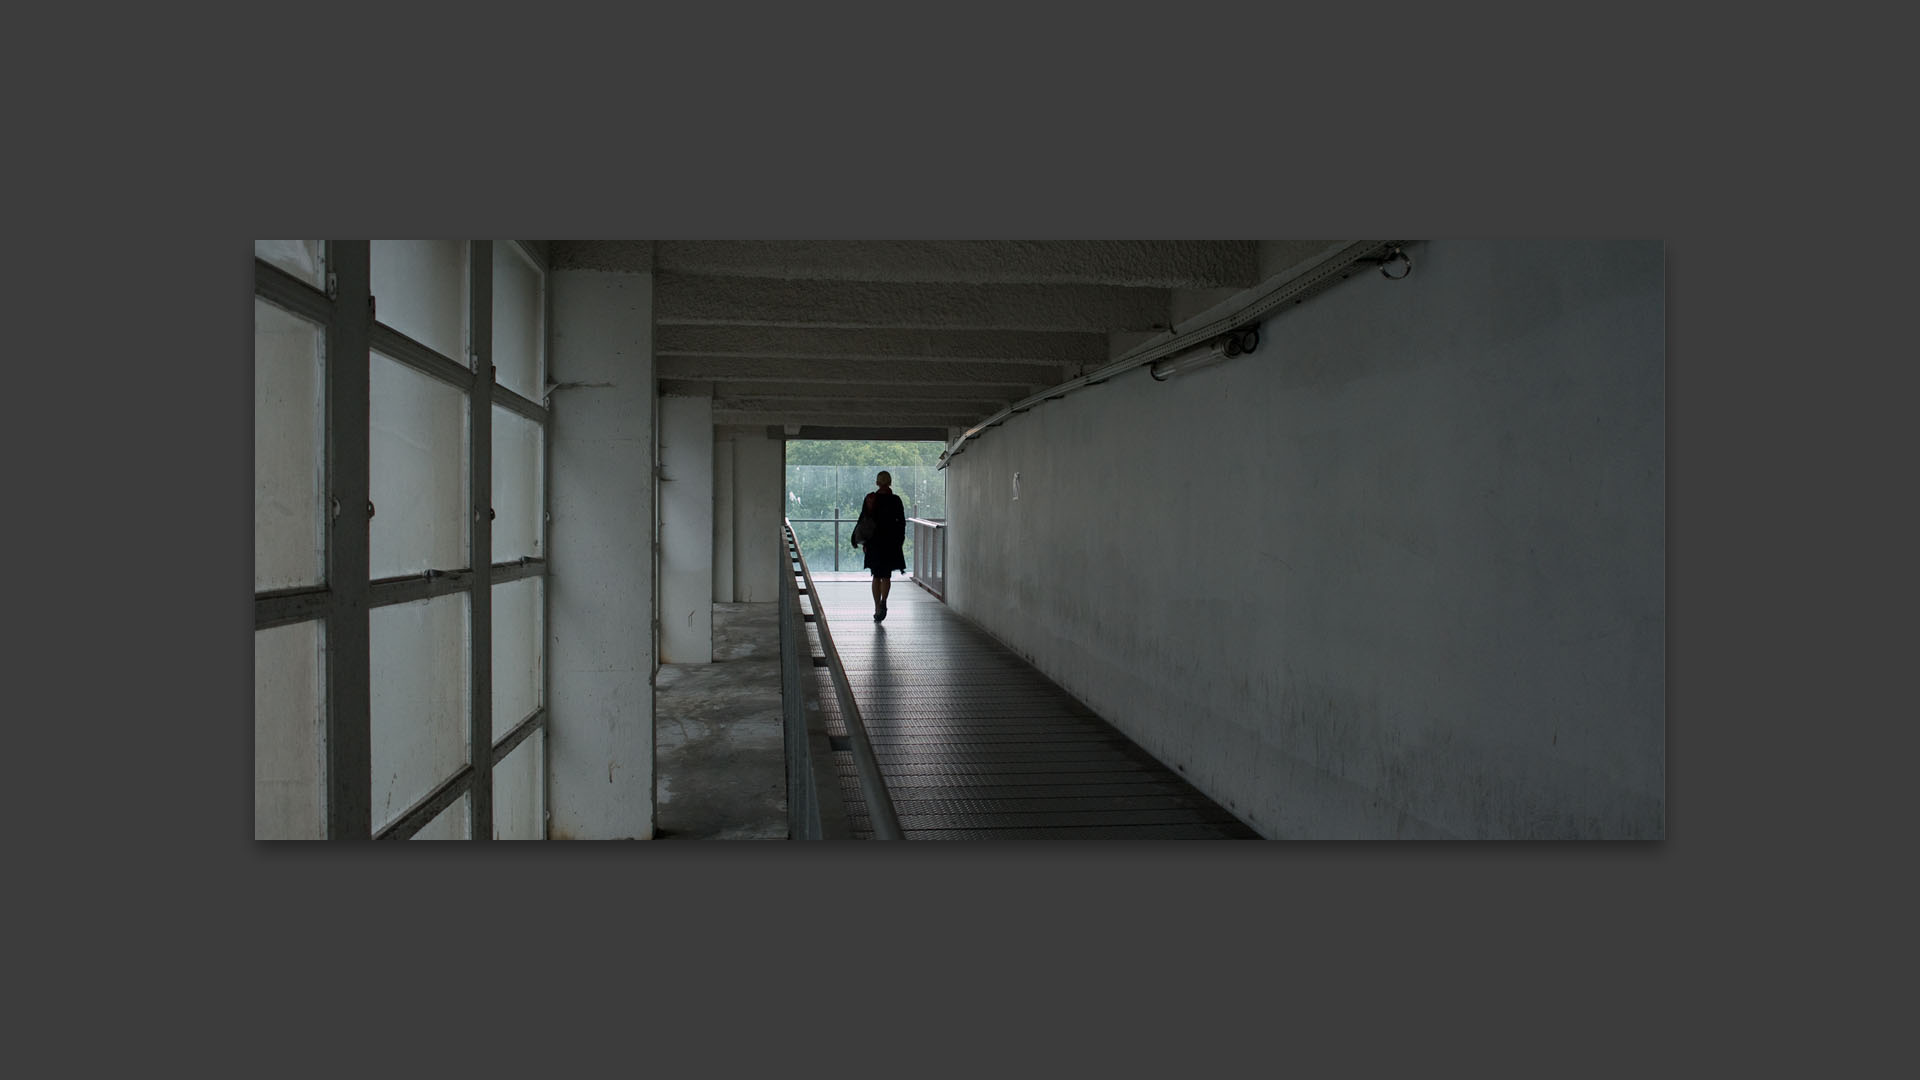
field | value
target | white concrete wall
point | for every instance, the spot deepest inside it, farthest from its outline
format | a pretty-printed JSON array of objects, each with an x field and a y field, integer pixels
[
  {"x": 759, "y": 503},
  {"x": 686, "y": 529},
  {"x": 1400, "y": 573},
  {"x": 600, "y": 581}
]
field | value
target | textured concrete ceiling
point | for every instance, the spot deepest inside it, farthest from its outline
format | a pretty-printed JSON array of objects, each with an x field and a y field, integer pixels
[{"x": 898, "y": 334}]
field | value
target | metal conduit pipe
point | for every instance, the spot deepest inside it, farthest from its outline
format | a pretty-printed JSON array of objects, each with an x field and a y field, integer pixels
[
  {"x": 1199, "y": 334},
  {"x": 873, "y": 788}
]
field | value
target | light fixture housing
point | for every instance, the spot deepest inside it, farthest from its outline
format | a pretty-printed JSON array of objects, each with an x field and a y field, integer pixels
[{"x": 1230, "y": 344}]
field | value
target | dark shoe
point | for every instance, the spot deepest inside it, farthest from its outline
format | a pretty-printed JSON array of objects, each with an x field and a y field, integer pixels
[{"x": 882, "y": 613}]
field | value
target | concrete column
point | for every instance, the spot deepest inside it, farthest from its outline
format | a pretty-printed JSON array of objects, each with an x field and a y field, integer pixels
[
  {"x": 600, "y": 587},
  {"x": 686, "y": 529},
  {"x": 723, "y": 519},
  {"x": 759, "y": 502}
]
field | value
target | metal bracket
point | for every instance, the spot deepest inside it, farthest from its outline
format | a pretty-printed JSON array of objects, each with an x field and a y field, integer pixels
[
  {"x": 333, "y": 285},
  {"x": 1395, "y": 254}
]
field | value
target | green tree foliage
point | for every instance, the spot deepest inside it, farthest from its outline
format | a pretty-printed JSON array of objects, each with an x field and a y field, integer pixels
[
  {"x": 829, "y": 477},
  {"x": 879, "y": 455}
]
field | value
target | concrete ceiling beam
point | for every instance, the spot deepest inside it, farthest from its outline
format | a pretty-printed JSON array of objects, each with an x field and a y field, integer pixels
[
  {"x": 844, "y": 431},
  {"x": 868, "y": 372},
  {"x": 968, "y": 392},
  {"x": 1164, "y": 264},
  {"x": 1013, "y": 346},
  {"x": 906, "y": 401},
  {"x": 718, "y": 301},
  {"x": 883, "y": 418},
  {"x": 619, "y": 256}
]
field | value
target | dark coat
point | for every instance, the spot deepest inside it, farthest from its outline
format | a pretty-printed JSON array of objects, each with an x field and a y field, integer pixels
[{"x": 883, "y": 548}]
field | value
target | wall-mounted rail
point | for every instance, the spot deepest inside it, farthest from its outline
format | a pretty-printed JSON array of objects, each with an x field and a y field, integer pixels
[{"x": 1330, "y": 267}]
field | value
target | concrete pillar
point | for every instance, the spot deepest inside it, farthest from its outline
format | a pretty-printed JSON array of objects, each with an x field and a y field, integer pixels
[
  {"x": 686, "y": 529},
  {"x": 759, "y": 502},
  {"x": 600, "y": 587},
  {"x": 723, "y": 518}
]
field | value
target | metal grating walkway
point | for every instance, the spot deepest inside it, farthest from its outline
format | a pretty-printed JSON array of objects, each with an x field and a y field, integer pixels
[{"x": 974, "y": 743}]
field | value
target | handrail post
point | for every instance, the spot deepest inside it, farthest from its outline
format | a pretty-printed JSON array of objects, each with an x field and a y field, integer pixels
[{"x": 930, "y": 564}]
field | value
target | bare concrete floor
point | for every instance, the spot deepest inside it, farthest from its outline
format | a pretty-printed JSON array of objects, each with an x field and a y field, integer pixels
[{"x": 719, "y": 750}]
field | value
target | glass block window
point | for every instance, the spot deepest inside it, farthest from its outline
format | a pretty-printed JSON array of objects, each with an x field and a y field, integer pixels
[
  {"x": 519, "y": 498},
  {"x": 421, "y": 692},
  {"x": 453, "y": 823},
  {"x": 519, "y": 321},
  {"x": 519, "y": 652},
  {"x": 418, "y": 471},
  {"x": 519, "y": 791},
  {"x": 304, "y": 259},
  {"x": 420, "y": 289},
  {"x": 289, "y": 729},
  {"x": 289, "y": 449}
]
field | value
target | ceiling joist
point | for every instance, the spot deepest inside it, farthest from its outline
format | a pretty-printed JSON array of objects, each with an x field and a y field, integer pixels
[
  {"x": 855, "y": 372},
  {"x": 846, "y": 335},
  {"x": 1008, "y": 346},
  {"x": 717, "y": 301}
]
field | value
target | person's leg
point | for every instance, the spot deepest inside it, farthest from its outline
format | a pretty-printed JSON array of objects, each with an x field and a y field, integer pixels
[{"x": 879, "y": 595}]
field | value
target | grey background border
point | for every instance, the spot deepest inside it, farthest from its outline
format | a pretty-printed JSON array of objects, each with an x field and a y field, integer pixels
[{"x": 1498, "y": 953}]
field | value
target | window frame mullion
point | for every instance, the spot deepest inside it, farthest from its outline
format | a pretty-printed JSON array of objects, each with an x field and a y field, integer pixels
[
  {"x": 428, "y": 361},
  {"x": 349, "y": 723},
  {"x": 287, "y": 607},
  {"x": 345, "y": 598},
  {"x": 480, "y": 551}
]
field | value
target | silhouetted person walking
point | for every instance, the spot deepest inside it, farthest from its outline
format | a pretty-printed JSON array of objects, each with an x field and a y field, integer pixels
[{"x": 882, "y": 529}]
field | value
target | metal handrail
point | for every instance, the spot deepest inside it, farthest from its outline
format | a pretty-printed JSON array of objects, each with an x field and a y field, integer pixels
[
  {"x": 836, "y": 521},
  {"x": 930, "y": 555},
  {"x": 886, "y": 825},
  {"x": 816, "y": 806}
]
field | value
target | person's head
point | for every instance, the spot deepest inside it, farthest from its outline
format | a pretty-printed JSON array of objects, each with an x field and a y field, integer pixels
[{"x": 885, "y": 480}]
